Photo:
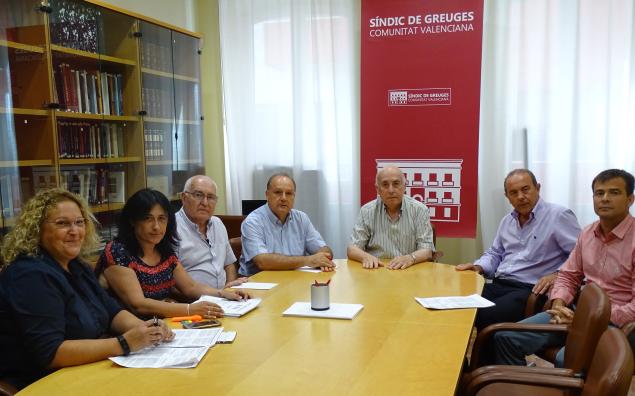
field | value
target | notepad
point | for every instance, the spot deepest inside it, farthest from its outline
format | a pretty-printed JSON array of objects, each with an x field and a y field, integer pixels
[
  {"x": 255, "y": 286},
  {"x": 233, "y": 308},
  {"x": 336, "y": 311},
  {"x": 455, "y": 302}
]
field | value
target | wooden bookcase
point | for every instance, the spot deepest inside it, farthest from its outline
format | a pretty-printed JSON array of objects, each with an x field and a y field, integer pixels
[{"x": 95, "y": 99}]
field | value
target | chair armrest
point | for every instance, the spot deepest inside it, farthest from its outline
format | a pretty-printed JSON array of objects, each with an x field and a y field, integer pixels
[
  {"x": 489, "y": 331},
  {"x": 628, "y": 328},
  {"x": 554, "y": 381},
  {"x": 562, "y": 372}
]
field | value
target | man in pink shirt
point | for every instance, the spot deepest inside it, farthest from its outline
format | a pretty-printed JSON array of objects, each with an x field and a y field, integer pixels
[{"x": 604, "y": 254}]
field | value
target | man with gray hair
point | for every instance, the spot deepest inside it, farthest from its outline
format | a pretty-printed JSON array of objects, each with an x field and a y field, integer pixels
[
  {"x": 393, "y": 226},
  {"x": 204, "y": 249},
  {"x": 277, "y": 237}
]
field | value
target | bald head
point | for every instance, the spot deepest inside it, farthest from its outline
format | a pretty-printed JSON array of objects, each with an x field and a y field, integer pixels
[
  {"x": 199, "y": 199},
  {"x": 391, "y": 186}
]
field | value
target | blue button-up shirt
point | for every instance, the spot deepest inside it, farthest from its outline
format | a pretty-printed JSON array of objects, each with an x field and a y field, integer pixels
[
  {"x": 526, "y": 254},
  {"x": 262, "y": 232}
]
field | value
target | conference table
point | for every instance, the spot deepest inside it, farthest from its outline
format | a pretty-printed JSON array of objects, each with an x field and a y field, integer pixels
[{"x": 393, "y": 346}]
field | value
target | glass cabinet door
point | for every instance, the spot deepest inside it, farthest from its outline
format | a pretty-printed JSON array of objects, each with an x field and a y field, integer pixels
[
  {"x": 99, "y": 138},
  {"x": 157, "y": 88},
  {"x": 188, "y": 140},
  {"x": 25, "y": 119}
]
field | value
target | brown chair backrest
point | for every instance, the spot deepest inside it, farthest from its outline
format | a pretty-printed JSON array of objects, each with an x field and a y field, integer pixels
[
  {"x": 232, "y": 223},
  {"x": 237, "y": 246},
  {"x": 591, "y": 319},
  {"x": 612, "y": 367}
]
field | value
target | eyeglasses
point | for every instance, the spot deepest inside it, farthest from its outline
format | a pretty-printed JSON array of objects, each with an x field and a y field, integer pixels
[
  {"x": 65, "y": 224},
  {"x": 198, "y": 195}
]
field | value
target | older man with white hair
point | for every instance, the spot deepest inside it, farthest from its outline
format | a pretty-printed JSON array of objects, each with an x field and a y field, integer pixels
[
  {"x": 394, "y": 226},
  {"x": 204, "y": 249}
]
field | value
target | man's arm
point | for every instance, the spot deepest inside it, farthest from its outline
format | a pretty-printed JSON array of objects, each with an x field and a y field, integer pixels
[
  {"x": 368, "y": 260},
  {"x": 273, "y": 261},
  {"x": 405, "y": 261}
]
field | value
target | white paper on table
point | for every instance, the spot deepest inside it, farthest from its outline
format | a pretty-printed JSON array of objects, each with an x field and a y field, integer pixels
[
  {"x": 162, "y": 358},
  {"x": 226, "y": 337},
  {"x": 193, "y": 338},
  {"x": 336, "y": 311},
  {"x": 255, "y": 286},
  {"x": 185, "y": 351},
  {"x": 233, "y": 308},
  {"x": 455, "y": 302},
  {"x": 311, "y": 269}
]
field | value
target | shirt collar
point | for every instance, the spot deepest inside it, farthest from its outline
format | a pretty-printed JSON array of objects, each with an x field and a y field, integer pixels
[
  {"x": 537, "y": 210},
  {"x": 274, "y": 219},
  {"x": 618, "y": 232},
  {"x": 189, "y": 222},
  {"x": 385, "y": 210}
]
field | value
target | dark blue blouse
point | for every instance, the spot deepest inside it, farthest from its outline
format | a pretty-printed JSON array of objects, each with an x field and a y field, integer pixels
[{"x": 41, "y": 305}]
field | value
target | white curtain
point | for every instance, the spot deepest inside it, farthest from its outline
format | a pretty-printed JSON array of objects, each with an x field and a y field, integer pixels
[
  {"x": 291, "y": 82},
  {"x": 560, "y": 76}
]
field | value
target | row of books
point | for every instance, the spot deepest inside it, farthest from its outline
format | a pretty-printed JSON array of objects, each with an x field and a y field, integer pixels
[
  {"x": 89, "y": 91},
  {"x": 156, "y": 56},
  {"x": 158, "y": 102},
  {"x": 97, "y": 185},
  {"x": 154, "y": 144},
  {"x": 90, "y": 140},
  {"x": 74, "y": 24}
]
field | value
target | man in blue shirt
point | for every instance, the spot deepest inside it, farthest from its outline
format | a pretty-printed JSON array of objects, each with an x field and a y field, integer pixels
[
  {"x": 278, "y": 237},
  {"x": 531, "y": 244}
]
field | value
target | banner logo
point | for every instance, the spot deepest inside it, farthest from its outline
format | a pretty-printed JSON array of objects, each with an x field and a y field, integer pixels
[{"x": 420, "y": 97}]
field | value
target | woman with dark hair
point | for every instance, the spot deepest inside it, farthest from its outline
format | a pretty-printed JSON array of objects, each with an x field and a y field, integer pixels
[
  {"x": 53, "y": 313},
  {"x": 141, "y": 267}
]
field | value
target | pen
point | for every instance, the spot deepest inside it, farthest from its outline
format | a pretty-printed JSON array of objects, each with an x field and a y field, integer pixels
[
  {"x": 155, "y": 321},
  {"x": 193, "y": 318}
]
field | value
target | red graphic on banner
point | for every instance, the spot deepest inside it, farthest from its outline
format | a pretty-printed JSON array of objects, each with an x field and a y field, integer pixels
[{"x": 420, "y": 92}]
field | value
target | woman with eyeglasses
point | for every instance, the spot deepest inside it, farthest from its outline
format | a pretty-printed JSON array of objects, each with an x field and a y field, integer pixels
[
  {"x": 53, "y": 312},
  {"x": 141, "y": 266}
]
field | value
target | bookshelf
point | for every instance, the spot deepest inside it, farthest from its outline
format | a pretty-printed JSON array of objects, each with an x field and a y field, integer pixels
[{"x": 96, "y": 99}]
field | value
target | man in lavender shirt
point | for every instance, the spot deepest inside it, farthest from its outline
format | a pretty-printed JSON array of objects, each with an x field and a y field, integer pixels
[{"x": 531, "y": 244}]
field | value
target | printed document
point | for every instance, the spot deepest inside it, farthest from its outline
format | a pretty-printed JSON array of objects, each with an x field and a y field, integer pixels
[
  {"x": 233, "y": 308},
  {"x": 455, "y": 302}
]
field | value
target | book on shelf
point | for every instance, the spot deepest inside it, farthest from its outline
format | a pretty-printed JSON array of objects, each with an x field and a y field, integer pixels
[
  {"x": 90, "y": 140},
  {"x": 117, "y": 186},
  {"x": 89, "y": 182},
  {"x": 88, "y": 91},
  {"x": 159, "y": 183},
  {"x": 154, "y": 146},
  {"x": 43, "y": 178},
  {"x": 73, "y": 24}
]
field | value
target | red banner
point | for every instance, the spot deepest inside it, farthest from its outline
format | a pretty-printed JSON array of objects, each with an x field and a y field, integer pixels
[{"x": 420, "y": 92}]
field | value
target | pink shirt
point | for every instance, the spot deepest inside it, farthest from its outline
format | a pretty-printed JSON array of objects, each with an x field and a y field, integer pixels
[{"x": 607, "y": 261}]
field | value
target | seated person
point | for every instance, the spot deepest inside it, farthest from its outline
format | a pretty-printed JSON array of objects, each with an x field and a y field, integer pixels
[
  {"x": 604, "y": 254},
  {"x": 278, "y": 237},
  {"x": 531, "y": 244},
  {"x": 394, "y": 226},
  {"x": 141, "y": 267},
  {"x": 204, "y": 248},
  {"x": 53, "y": 313}
]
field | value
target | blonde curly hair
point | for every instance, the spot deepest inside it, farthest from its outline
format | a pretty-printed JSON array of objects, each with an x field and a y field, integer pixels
[{"x": 24, "y": 238}]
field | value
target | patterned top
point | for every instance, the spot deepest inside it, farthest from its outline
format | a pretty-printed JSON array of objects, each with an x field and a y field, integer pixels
[
  {"x": 155, "y": 280},
  {"x": 377, "y": 234}
]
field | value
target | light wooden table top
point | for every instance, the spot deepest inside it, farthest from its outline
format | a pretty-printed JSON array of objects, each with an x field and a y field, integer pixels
[{"x": 393, "y": 346}]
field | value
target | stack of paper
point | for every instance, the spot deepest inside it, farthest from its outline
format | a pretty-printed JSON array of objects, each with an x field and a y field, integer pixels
[
  {"x": 455, "y": 302},
  {"x": 255, "y": 286},
  {"x": 185, "y": 351},
  {"x": 233, "y": 308},
  {"x": 336, "y": 311}
]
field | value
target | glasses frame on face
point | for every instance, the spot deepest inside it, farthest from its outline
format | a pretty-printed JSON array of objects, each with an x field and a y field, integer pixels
[
  {"x": 66, "y": 224},
  {"x": 199, "y": 196}
]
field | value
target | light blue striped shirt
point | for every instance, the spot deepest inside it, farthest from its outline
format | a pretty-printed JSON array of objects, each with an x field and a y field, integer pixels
[
  {"x": 376, "y": 234},
  {"x": 262, "y": 233}
]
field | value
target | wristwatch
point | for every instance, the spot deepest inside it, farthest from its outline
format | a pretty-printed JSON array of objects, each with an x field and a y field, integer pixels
[
  {"x": 124, "y": 345},
  {"x": 414, "y": 259}
]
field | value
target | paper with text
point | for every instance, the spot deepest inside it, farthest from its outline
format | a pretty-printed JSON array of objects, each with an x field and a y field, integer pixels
[{"x": 455, "y": 302}]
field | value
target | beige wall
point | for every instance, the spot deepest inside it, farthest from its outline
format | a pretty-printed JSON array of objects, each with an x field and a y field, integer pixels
[{"x": 175, "y": 12}]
